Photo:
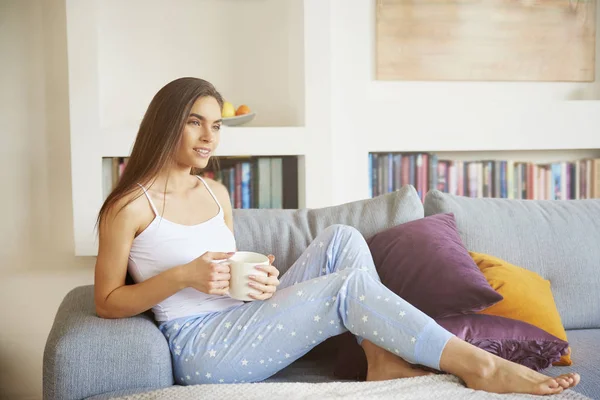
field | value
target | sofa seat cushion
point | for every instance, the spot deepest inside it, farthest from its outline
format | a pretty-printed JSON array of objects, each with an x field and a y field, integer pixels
[
  {"x": 586, "y": 352},
  {"x": 559, "y": 240},
  {"x": 305, "y": 370}
]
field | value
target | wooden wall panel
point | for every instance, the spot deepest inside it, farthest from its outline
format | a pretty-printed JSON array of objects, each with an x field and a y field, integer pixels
[{"x": 486, "y": 40}]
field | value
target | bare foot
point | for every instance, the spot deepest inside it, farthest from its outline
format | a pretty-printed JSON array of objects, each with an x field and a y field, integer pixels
[
  {"x": 383, "y": 365},
  {"x": 502, "y": 376},
  {"x": 481, "y": 370}
]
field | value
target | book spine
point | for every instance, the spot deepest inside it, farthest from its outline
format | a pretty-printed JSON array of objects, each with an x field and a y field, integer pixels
[
  {"x": 232, "y": 188},
  {"x": 596, "y": 179},
  {"x": 264, "y": 182},
  {"x": 390, "y": 173},
  {"x": 503, "y": 191},
  {"x": 590, "y": 179},
  {"x": 384, "y": 173},
  {"x": 411, "y": 170},
  {"x": 370, "y": 163},
  {"x": 238, "y": 185},
  {"x": 441, "y": 181},
  {"x": 556, "y": 181},
  {"x": 290, "y": 183},
  {"x": 375, "y": 175},
  {"x": 381, "y": 167},
  {"x": 452, "y": 180},
  {"x": 479, "y": 179},
  {"x": 460, "y": 178},
  {"x": 254, "y": 184},
  {"x": 433, "y": 171},
  {"x": 276, "y": 183},
  {"x": 405, "y": 170},
  {"x": 424, "y": 175},
  {"x": 245, "y": 184},
  {"x": 509, "y": 171},
  {"x": 397, "y": 171}
]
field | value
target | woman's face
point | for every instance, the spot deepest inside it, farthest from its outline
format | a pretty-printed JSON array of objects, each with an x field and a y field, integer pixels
[{"x": 201, "y": 133}]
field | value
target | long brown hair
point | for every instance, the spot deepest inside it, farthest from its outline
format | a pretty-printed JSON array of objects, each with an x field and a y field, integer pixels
[{"x": 159, "y": 135}]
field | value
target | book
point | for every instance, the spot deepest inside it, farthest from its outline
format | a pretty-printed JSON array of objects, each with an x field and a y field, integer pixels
[{"x": 511, "y": 179}]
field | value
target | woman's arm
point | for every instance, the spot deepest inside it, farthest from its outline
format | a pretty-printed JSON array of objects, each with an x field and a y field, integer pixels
[{"x": 113, "y": 298}]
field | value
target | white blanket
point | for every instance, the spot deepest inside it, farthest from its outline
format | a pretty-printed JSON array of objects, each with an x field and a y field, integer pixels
[{"x": 443, "y": 387}]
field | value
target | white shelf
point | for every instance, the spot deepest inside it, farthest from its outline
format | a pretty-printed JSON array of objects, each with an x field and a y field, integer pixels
[
  {"x": 235, "y": 141},
  {"x": 262, "y": 141},
  {"x": 548, "y": 126}
]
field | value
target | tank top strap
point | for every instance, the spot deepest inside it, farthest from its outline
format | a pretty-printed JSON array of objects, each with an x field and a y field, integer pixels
[
  {"x": 211, "y": 193},
  {"x": 149, "y": 200}
]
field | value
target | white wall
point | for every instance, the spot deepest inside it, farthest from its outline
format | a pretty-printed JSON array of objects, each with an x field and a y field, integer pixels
[
  {"x": 443, "y": 116},
  {"x": 37, "y": 266},
  {"x": 251, "y": 57}
]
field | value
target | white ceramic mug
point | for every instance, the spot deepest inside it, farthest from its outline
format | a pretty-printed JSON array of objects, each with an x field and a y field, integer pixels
[{"x": 243, "y": 264}]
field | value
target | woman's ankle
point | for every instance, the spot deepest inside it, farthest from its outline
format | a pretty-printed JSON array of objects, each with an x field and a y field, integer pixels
[{"x": 463, "y": 359}]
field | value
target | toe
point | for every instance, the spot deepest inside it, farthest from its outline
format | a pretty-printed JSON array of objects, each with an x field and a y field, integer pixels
[
  {"x": 573, "y": 378},
  {"x": 557, "y": 390},
  {"x": 552, "y": 386},
  {"x": 563, "y": 381},
  {"x": 552, "y": 383}
]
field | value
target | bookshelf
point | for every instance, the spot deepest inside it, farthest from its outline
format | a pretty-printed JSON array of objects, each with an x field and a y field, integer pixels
[
  {"x": 252, "y": 182},
  {"x": 488, "y": 174}
]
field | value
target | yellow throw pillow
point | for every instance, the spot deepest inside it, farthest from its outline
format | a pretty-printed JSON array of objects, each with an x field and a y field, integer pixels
[{"x": 527, "y": 297}]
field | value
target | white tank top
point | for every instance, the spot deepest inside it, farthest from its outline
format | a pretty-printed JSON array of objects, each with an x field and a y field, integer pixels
[{"x": 165, "y": 244}]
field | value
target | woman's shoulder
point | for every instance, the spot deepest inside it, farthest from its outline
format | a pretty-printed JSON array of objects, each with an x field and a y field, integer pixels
[
  {"x": 217, "y": 187},
  {"x": 132, "y": 208},
  {"x": 219, "y": 190}
]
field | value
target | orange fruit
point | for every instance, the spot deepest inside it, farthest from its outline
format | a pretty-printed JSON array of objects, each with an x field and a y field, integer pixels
[{"x": 243, "y": 109}]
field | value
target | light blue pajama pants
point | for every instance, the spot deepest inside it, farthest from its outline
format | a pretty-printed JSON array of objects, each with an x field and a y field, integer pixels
[{"x": 332, "y": 288}]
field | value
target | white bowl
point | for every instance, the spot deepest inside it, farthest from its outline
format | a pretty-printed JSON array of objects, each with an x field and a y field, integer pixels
[{"x": 239, "y": 120}]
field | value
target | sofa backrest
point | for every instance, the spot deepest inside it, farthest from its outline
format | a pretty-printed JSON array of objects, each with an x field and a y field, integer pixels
[
  {"x": 559, "y": 240},
  {"x": 287, "y": 233}
]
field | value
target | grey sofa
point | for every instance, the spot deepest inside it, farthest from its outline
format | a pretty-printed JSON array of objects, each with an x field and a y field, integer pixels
[{"x": 89, "y": 357}]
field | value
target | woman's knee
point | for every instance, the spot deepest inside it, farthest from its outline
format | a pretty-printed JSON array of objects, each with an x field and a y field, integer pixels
[
  {"x": 359, "y": 278},
  {"x": 343, "y": 230},
  {"x": 343, "y": 235}
]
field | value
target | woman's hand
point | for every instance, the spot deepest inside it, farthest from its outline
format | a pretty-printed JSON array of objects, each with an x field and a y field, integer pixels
[
  {"x": 206, "y": 275},
  {"x": 265, "y": 285}
]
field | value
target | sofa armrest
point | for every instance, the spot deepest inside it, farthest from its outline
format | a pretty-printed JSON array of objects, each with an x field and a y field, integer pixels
[{"x": 86, "y": 355}]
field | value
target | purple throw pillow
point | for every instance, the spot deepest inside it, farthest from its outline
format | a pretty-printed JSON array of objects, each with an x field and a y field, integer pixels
[
  {"x": 508, "y": 338},
  {"x": 513, "y": 340},
  {"x": 426, "y": 263}
]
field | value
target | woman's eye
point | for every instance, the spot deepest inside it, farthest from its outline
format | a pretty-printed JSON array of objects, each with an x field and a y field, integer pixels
[
  {"x": 195, "y": 122},
  {"x": 217, "y": 128}
]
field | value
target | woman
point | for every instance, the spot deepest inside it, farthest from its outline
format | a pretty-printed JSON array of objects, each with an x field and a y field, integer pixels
[{"x": 167, "y": 227}]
